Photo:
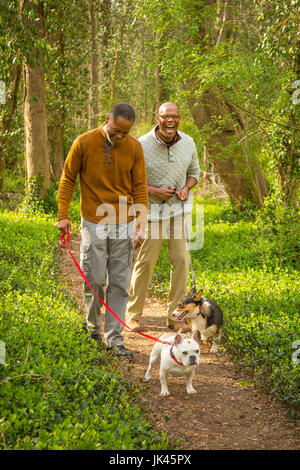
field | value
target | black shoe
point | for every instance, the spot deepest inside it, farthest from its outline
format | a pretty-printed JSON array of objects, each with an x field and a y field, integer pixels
[
  {"x": 121, "y": 351},
  {"x": 96, "y": 337}
]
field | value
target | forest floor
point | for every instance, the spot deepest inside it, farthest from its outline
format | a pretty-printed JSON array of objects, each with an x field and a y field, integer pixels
[{"x": 227, "y": 412}]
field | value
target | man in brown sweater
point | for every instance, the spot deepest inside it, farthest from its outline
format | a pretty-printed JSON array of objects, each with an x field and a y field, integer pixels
[{"x": 111, "y": 167}]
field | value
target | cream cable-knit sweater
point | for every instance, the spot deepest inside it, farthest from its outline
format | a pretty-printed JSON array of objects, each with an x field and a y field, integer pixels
[{"x": 169, "y": 167}]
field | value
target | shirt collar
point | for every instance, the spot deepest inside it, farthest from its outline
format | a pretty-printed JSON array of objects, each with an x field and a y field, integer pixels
[
  {"x": 106, "y": 134},
  {"x": 166, "y": 144}
]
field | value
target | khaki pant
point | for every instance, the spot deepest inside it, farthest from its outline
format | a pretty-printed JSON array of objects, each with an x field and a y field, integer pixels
[
  {"x": 106, "y": 257},
  {"x": 147, "y": 259}
]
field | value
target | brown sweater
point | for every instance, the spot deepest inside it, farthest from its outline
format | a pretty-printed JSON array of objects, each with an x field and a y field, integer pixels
[{"x": 104, "y": 178}]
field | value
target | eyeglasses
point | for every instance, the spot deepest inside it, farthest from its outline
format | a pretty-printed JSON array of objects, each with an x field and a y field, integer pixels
[{"x": 168, "y": 116}]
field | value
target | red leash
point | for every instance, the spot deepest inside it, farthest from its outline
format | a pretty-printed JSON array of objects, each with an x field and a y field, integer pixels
[{"x": 66, "y": 245}]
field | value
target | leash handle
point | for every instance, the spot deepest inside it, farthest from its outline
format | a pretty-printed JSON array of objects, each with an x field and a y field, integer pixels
[
  {"x": 63, "y": 243},
  {"x": 62, "y": 239}
]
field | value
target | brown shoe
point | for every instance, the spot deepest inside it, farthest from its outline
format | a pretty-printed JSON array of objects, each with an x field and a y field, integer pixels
[
  {"x": 134, "y": 325},
  {"x": 178, "y": 326},
  {"x": 170, "y": 324},
  {"x": 183, "y": 328}
]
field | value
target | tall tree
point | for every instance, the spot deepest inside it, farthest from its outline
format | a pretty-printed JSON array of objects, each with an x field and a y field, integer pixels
[
  {"x": 8, "y": 115},
  {"x": 118, "y": 50},
  {"x": 281, "y": 43},
  {"x": 35, "y": 118},
  {"x": 105, "y": 30},
  {"x": 93, "y": 111},
  {"x": 240, "y": 171},
  {"x": 56, "y": 106},
  {"x": 199, "y": 51},
  {"x": 10, "y": 75}
]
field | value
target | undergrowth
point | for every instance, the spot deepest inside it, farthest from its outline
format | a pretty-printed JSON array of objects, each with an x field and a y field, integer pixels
[
  {"x": 57, "y": 390},
  {"x": 256, "y": 283}
]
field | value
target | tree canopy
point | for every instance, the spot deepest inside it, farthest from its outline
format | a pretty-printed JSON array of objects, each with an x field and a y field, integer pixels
[{"x": 231, "y": 66}]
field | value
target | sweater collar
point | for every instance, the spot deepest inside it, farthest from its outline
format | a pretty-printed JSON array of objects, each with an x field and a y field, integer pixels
[{"x": 176, "y": 139}]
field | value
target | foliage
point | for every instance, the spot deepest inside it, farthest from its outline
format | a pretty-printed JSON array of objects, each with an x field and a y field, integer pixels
[
  {"x": 257, "y": 290},
  {"x": 34, "y": 204},
  {"x": 254, "y": 71},
  {"x": 250, "y": 259},
  {"x": 57, "y": 390}
]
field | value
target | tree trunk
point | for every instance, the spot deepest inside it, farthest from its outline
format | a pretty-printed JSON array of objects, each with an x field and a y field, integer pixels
[
  {"x": 206, "y": 176},
  {"x": 35, "y": 123},
  {"x": 35, "y": 120},
  {"x": 93, "y": 110},
  {"x": 56, "y": 107},
  {"x": 157, "y": 75},
  {"x": 240, "y": 174},
  {"x": 160, "y": 91},
  {"x": 56, "y": 147},
  {"x": 5, "y": 125},
  {"x": 117, "y": 54},
  {"x": 104, "y": 75},
  {"x": 116, "y": 65},
  {"x": 288, "y": 167}
]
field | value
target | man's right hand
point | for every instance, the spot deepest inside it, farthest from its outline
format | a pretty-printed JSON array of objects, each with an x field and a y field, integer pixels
[
  {"x": 64, "y": 225},
  {"x": 163, "y": 193}
]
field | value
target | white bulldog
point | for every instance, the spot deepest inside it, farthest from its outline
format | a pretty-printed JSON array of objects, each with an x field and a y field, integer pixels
[{"x": 179, "y": 357}]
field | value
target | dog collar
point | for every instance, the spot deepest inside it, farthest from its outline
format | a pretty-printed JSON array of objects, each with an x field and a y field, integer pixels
[
  {"x": 200, "y": 311},
  {"x": 173, "y": 356}
]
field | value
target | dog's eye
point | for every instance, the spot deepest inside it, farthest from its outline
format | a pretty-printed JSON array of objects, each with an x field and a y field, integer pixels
[
  {"x": 184, "y": 352},
  {"x": 180, "y": 306},
  {"x": 197, "y": 351}
]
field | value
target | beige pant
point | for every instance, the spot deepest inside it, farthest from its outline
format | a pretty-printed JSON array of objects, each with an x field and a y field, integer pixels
[{"x": 147, "y": 258}]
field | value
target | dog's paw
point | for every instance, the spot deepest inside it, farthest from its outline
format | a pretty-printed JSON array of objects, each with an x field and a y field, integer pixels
[
  {"x": 147, "y": 377},
  {"x": 191, "y": 390},
  {"x": 165, "y": 393}
]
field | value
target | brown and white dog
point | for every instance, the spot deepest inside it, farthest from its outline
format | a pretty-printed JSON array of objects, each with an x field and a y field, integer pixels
[{"x": 201, "y": 314}]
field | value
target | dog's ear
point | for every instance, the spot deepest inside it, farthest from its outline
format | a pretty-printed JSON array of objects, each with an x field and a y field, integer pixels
[
  {"x": 198, "y": 295},
  {"x": 196, "y": 336},
  {"x": 192, "y": 292},
  {"x": 178, "y": 339}
]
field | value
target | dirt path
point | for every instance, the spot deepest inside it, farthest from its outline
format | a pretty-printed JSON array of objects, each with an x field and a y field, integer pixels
[{"x": 227, "y": 412}]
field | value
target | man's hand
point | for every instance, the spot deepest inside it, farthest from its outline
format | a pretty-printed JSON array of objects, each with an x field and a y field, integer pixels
[
  {"x": 183, "y": 194},
  {"x": 138, "y": 238},
  {"x": 163, "y": 193},
  {"x": 64, "y": 225}
]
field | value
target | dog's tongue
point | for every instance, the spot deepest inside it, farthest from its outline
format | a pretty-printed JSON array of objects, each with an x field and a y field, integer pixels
[{"x": 183, "y": 315}]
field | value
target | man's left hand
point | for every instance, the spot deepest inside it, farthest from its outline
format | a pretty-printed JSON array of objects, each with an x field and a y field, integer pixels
[
  {"x": 183, "y": 194},
  {"x": 138, "y": 238}
]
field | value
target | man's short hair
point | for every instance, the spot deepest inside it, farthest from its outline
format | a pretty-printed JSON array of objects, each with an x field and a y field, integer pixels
[{"x": 122, "y": 110}]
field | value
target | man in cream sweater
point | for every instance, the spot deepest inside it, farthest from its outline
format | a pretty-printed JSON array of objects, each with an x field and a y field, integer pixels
[{"x": 172, "y": 169}]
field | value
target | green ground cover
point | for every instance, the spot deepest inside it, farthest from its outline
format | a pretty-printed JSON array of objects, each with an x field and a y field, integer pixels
[
  {"x": 239, "y": 267},
  {"x": 57, "y": 391}
]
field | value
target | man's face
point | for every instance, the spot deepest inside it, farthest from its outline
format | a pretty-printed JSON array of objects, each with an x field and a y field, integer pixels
[
  {"x": 117, "y": 129},
  {"x": 168, "y": 120}
]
